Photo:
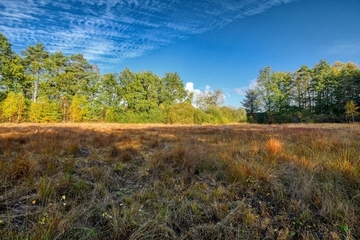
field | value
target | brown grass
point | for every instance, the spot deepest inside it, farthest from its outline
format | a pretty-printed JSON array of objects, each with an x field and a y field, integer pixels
[
  {"x": 273, "y": 146},
  {"x": 112, "y": 181}
]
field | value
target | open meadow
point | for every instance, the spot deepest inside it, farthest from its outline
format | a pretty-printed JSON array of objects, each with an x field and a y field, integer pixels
[{"x": 113, "y": 181}]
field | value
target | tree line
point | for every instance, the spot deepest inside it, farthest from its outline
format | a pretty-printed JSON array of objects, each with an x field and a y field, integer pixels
[
  {"x": 324, "y": 93},
  {"x": 39, "y": 86}
]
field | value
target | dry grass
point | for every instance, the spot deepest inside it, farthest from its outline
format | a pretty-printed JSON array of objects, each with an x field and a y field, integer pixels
[
  {"x": 273, "y": 146},
  {"x": 111, "y": 181}
]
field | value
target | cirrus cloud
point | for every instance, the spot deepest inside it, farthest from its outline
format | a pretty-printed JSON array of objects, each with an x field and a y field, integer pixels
[{"x": 114, "y": 30}]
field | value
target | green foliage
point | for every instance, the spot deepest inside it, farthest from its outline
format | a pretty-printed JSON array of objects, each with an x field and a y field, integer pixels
[
  {"x": 152, "y": 116},
  {"x": 139, "y": 91},
  {"x": 82, "y": 74},
  {"x": 5, "y": 47},
  {"x": 59, "y": 87},
  {"x": 264, "y": 86},
  {"x": 222, "y": 115},
  {"x": 182, "y": 113},
  {"x": 251, "y": 103},
  {"x": 34, "y": 62},
  {"x": 145, "y": 96},
  {"x": 96, "y": 112},
  {"x": 13, "y": 107},
  {"x": 57, "y": 81},
  {"x": 110, "y": 90},
  {"x": 274, "y": 89},
  {"x": 234, "y": 115},
  {"x": 113, "y": 114},
  {"x": 321, "y": 91},
  {"x": 323, "y": 85},
  {"x": 171, "y": 90},
  {"x": 12, "y": 76},
  {"x": 282, "y": 89},
  {"x": 200, "y": 117},
  {"x": 214, "y": 116},
  {"x": 156, "y": 115}
]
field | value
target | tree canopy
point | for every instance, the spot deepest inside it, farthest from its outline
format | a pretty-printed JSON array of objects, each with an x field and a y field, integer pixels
[
  {"x": 42, "y": 86},
  {"x": 317, "y": 94}
]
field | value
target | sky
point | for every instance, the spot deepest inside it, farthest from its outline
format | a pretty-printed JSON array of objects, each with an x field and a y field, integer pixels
[{"x": 211, "y": 44}]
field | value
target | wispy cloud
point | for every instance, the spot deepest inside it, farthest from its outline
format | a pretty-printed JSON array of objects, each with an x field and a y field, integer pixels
[
  {"x": 113, "y": 30},
  {"x": 242, "y": 90},
  {"x": 344, "y": 47}
]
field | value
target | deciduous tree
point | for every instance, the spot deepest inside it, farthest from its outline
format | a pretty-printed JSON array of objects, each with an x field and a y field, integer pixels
[
  {"x": 44, "y": 110},
  {"x": 264, "y": 86},
  {"x": 13, "y": 107},
  {"x": 209, "y": 98},
  {"x": 79, "y": 109},
  {"x": 351, "y": 109}
]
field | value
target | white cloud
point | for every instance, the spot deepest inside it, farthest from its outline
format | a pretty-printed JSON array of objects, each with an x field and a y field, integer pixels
[
  {"x": 189, "y": 86},
  {"x": 242, "y": 90},
  {"x": 114, "y": 30}
]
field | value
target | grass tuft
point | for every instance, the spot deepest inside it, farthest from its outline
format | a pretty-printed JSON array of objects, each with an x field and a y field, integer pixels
[
  {"x": 273, "y": 146},
  {"x": 20, "y": 169}
]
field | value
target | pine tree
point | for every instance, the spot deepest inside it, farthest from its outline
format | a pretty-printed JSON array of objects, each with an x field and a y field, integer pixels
[{"x": 251, "y": 103}]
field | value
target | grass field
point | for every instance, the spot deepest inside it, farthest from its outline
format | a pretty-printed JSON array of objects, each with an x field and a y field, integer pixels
[{"x": 111, "y": 181}]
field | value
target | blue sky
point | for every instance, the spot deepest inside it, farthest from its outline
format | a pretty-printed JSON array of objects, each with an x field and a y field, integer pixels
[{"x": 212, "y": 44}]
